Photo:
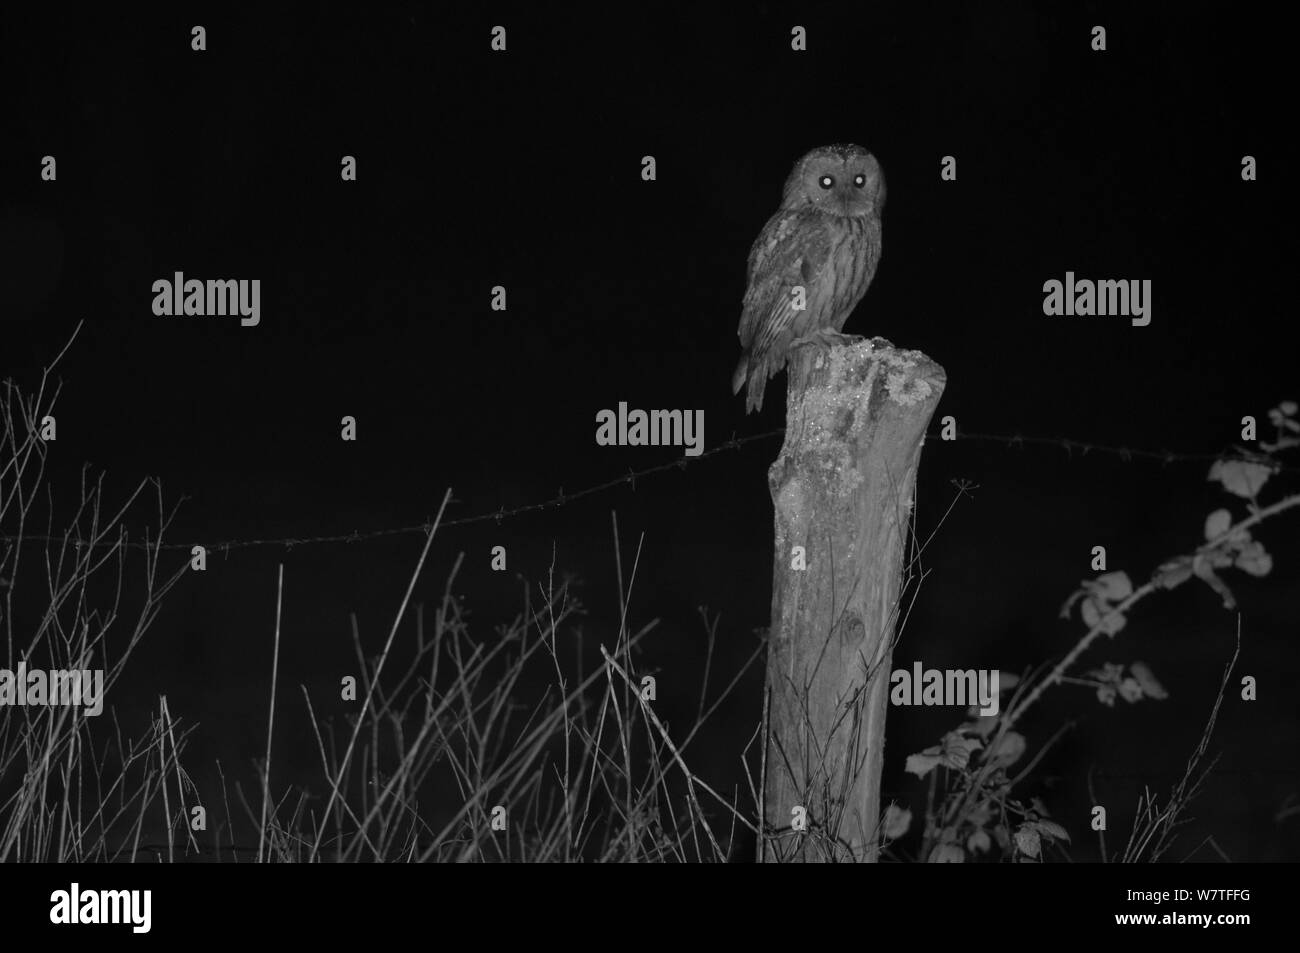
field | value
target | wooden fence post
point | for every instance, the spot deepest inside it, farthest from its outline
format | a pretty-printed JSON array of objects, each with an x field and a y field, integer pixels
[{"x": 842, "y": 487}]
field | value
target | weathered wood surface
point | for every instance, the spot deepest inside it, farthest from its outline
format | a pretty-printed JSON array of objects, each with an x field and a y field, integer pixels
[{"x": 842, "y": 488}]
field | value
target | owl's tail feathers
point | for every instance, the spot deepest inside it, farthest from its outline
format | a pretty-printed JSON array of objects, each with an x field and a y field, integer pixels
[
  {"x": 757, "y": 378},
  {"x": 740, "y": 373}
]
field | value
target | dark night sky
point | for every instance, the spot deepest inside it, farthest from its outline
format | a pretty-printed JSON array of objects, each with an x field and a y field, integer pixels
[{"x": 523, "y": 170}]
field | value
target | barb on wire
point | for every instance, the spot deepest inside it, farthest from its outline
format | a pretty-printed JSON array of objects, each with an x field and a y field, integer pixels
[
  {"x": 1127, "y": 454},
  {"x": 501, "y": 513}
]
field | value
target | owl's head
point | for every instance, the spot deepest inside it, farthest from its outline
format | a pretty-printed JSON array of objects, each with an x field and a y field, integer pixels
[{"x": 839, "y": 180}]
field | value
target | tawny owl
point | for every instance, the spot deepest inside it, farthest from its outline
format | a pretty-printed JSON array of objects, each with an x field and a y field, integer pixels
[{"x": 825, "y": 240}]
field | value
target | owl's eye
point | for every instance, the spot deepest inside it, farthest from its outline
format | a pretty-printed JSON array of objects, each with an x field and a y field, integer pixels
[
  {"x": 826, "y": 182},
  {"x": 859, "y": 180}
]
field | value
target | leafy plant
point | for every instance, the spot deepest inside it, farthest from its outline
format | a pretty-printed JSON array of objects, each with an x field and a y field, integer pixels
[{"x": 972, "y": 810}]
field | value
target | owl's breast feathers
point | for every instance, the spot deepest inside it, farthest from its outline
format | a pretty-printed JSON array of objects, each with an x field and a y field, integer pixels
[{"x": 833, "y": 258}]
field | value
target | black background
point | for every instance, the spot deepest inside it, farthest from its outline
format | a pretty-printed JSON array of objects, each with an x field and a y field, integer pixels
[{"x": 523, "y": 170}]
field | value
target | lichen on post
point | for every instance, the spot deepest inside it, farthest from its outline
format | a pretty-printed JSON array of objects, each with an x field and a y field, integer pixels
[{"x": 842, "y": 488}]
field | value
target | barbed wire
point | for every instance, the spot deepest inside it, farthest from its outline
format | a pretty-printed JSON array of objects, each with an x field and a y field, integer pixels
[
  {"x": 1126, "y": 454},
  {"x": 1129, "y": 453}
]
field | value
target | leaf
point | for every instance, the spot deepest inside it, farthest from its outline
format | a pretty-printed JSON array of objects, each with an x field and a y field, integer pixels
[
  {"x": 1097, "y": 614},
  {"x": 1254, "y": 559},
  {"x": 1114, "y": 586},
  {"x": 979, "y": 842},
  {"x": 1109, "y": 672},
  {"x": 1204, "y": 569},
  {"x": 1091, "y": 613},
  {"x": 1143, "y": 675},
  {"x": 1217, "y": 523},
  {"x": 1002, "y": 837},
  {"x": 1221, "y": 556},
  {"x": 1106, "y": 695},
  {"x": 1240, "y": 477},
  {"x": 1027, "y": 841},
  {"x": 953, "y": 752},
  {"x": 1050, "y": 829},
  {"x": 957, "y": 750},
  {"x": 1280, "y": 417},
  {"x": 1130, "y": 690},
  {"x": 898, "y": 821},
  {"x": 923, "y": 762},
  {"x": 1113, "y": 622},
  {"x": 1069, "y": 603},
  {"x": 1009, "y": 750},
  {"x": 1174, "y": 573},
  {"x": 947, "y": 854}
]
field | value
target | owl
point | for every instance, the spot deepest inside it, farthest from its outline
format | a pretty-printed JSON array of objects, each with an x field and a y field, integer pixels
[{"x": 819, "y": 250}]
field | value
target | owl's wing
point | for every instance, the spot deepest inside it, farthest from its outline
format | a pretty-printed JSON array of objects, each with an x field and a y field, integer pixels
[{"x": 791, "y": 250}]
